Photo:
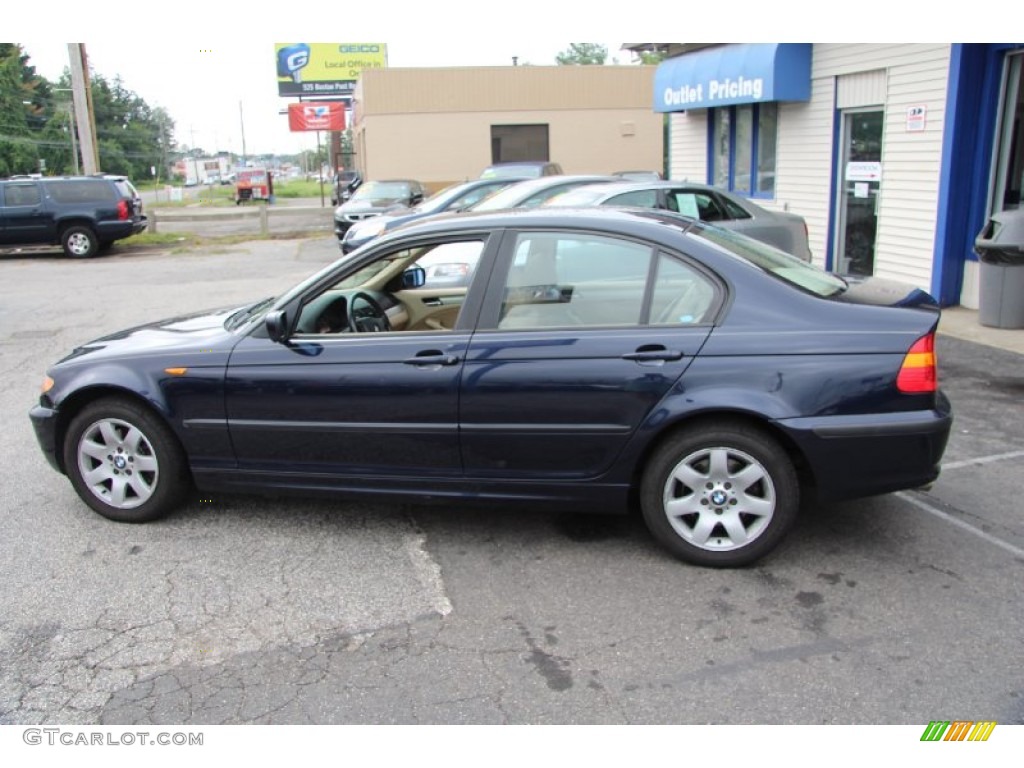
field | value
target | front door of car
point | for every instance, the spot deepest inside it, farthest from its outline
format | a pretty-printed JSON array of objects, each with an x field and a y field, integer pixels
[
  {"x": 581, "y": 336},
  {"x": 329, "y": 402},
  {"x": 24, "y": 217}
]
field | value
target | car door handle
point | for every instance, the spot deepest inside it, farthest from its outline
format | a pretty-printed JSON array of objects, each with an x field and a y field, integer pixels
[
  {"x": 650, "y": 353},
  {"x": 432, "y": 357}
]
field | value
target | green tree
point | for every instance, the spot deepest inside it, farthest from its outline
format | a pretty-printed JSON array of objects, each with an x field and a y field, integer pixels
[
  {"x": 651, "y": 57},
  {"x": 36, "y": 123},
  {"x": 583, "y": 53},
  {"x": 23, "y": 98},
  {"x": 132, "y": 136}
]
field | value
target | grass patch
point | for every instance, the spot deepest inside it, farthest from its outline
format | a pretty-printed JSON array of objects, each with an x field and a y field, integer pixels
[
  {"x": 181, "y": 242},
  {"x": 300, "y": 188}
]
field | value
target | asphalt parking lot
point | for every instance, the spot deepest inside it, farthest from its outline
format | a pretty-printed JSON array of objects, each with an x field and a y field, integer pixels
[{"x": 901, "y": 609}]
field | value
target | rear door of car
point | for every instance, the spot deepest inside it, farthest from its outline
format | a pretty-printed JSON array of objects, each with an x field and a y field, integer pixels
[{"x": 580, "y": 337}]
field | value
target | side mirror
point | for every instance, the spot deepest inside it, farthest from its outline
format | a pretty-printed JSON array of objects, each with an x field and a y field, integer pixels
[
  {"x": 414, "y": 277},
  {"x": 277, "y": 326}
]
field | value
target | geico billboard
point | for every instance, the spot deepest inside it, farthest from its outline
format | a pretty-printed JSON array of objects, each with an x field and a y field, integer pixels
[{"x": 323, "y": 69}]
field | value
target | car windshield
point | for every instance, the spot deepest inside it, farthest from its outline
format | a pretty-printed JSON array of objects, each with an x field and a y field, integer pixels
[
  {"x": 382, "y": 190},
  {"x": 510, "y": 197},
  {"x": 437, "y": 199},
  {"x": 512, "y": 169},
  {"x": 776, "y": 263},
  {"x": 572, "y": 197}
]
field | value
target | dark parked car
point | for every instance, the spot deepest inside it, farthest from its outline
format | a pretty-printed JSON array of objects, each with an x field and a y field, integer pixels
[
  {"x": 595, "y": 358},
  {"x": 785, "y": 231},
  {"x": 374, "y": 198},
  {"x": 531, "y": 169},
  {"x": 345, "y": 185},
  {"x": 453, "y": 198},
  {"x": 82, "y": 214},
  {"x": 534, "y": 192}
]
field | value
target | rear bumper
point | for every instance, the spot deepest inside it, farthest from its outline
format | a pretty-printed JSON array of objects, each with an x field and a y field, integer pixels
[
  {"x": 854, "y": 456},
  {"x": 109, "y": 231}
]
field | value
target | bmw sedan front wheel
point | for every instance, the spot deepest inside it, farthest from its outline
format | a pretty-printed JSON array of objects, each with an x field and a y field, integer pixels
[
  {"x": 720, "y": 496},
  {"x": 124, "y": 462}
]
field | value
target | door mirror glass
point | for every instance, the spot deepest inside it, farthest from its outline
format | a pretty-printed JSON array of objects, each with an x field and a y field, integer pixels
[
  {"x": 277, "y": 325},
  {"x": 414, "y": 277}
]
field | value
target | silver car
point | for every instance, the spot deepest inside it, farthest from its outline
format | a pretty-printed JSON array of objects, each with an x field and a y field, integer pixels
[{"x": 786, "y": 231}]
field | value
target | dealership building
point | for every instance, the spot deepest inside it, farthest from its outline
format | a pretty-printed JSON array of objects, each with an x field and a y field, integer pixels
[
  {"x": 896, "y": 155},
  {"x": 443, "y": 125}
]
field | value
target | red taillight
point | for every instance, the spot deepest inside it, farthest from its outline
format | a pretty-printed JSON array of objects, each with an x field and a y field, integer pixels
[
  {"x": 122, "y": 210},
  {"x": 919, "y": 374}
]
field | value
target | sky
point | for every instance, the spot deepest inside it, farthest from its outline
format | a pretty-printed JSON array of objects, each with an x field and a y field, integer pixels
[
  {"x": 217, "y": 88},
  {"x": 211, "y": 64}
]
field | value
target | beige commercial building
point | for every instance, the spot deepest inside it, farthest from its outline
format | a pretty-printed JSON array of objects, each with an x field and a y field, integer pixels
[{"x": 447, "y": 124}]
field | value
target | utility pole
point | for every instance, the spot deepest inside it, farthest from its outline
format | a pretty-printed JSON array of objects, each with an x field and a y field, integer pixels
[
  {"x": 82, "y": 100},
  {"x": 241, "y": 117}
]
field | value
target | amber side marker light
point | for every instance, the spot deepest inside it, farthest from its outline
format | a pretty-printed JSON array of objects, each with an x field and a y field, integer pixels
[
  {"x": 47, "y": 384},
  {"x": 176, "y": 371},
  {"x": 919, "y": 374}
]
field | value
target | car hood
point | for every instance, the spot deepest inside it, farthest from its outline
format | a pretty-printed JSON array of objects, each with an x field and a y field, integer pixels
[
  {"x": 193, "y": 339},
  {"x": 881, "y": 292}
]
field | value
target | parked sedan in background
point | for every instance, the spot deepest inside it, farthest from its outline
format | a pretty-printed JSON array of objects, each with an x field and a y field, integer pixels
[
  {"x": 786, "y": 231},
  {"x": 372, "y": 198},
  {"x": 528, "y": 194},
  {"x": 454, "y": 198},
  {"x": 531, "y": 169},
  {"x": 592, "y": 359}
]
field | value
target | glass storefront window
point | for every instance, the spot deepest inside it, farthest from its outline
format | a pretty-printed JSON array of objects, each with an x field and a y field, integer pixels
[
  {"x": 721, "y": 148},
  {"x": 744, "y": 140},
  {"x": 744, "y": 149},
  {"x": 767, "y": 132}
]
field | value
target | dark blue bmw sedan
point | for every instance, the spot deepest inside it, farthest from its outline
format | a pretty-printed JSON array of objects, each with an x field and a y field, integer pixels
[{"x": 589, "y": 360}]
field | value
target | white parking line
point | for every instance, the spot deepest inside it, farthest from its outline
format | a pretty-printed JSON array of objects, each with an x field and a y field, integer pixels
[
  {"x": 982, "y": 460},
  {"x": 959, "y": 523}
]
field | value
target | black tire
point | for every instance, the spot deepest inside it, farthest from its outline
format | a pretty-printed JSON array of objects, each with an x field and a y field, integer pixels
[
  {"x": 720, "y": 496},
  {"x": 124, "y": 462},
  {"x": 79, "y": 242}
]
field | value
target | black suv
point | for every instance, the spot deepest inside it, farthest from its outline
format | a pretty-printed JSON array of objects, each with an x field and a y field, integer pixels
[{"x": 82, "y": 214}]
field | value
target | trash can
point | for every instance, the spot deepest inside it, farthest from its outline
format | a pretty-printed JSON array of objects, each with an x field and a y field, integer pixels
[{"x": 1000, "y": 249}]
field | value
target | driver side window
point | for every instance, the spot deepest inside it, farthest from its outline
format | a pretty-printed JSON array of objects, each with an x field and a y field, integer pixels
[{"x": 415, "y": 289}]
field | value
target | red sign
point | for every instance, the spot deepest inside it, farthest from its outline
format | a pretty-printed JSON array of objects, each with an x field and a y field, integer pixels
[{"x": 317, "y": 116}]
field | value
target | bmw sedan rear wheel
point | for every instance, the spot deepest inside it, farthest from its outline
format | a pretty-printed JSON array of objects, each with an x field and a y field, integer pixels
[
  {"x": 124, "y": 462},
  {"x": 720, "y": 496}
]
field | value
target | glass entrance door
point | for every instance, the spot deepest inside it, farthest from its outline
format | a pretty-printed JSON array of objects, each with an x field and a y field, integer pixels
[
  {"x": 860, "y": 174},
  {"x": 1009, "y": 159}
]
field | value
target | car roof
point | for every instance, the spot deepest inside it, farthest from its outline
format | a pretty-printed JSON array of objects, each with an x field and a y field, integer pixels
[
  {"x": 608, "y": 219},
  {"x": 526, "y": 163},
  {"x": 625, "y": 185},
  {"x": 529, "y": 186}
]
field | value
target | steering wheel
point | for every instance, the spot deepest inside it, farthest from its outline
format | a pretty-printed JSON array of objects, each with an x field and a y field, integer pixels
[{"x": 361, "y": 322}]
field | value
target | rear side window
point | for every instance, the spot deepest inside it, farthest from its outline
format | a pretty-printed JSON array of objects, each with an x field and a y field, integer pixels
[
  {"x": 700, "y": 205},
  {"x": 125, "y": 188},
  {"x": 80, "y": 190},
  {"x": 21, "y": 194},
  {"x": 734, "y": 210}
]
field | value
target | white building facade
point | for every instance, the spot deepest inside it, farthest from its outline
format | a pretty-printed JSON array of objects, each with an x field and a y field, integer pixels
[{"x": 895, "y": 154}]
